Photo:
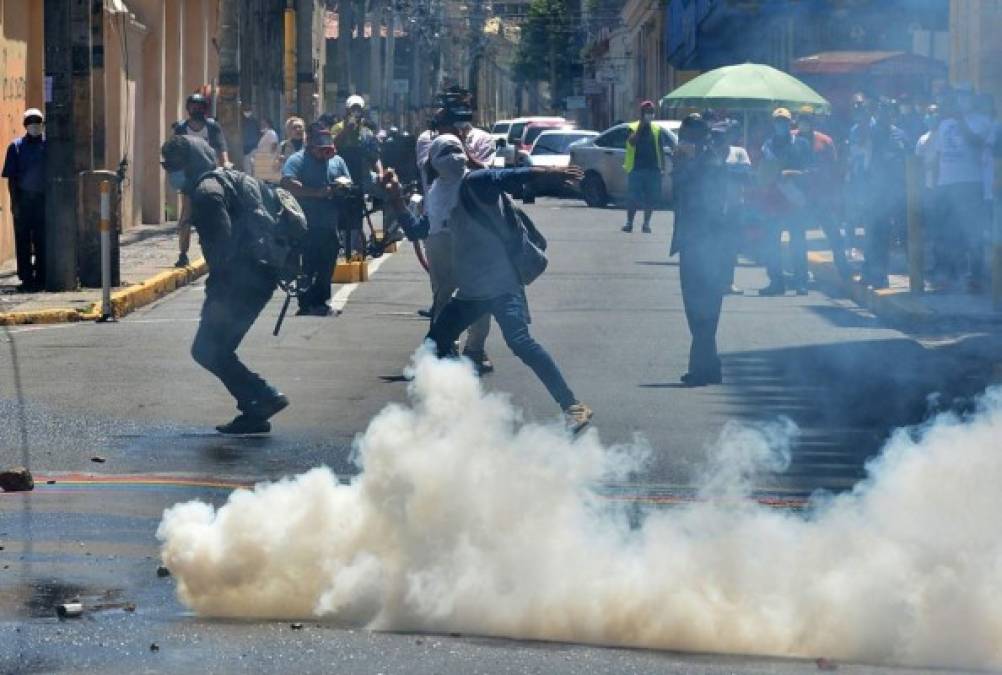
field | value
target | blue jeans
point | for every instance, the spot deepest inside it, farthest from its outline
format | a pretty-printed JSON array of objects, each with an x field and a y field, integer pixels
[{"x": 511, "y": 312}]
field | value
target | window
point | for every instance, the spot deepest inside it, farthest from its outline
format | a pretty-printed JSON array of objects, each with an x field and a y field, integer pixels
[
  {"x": 515, "y": 133},
  {"x": 614, "y": 138},
  {"x": 501, "y": 128},
  {"x": 556, "y": 144}
]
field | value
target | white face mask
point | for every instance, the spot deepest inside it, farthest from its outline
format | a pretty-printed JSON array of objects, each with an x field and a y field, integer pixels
[{"x": 34, "y": 129}]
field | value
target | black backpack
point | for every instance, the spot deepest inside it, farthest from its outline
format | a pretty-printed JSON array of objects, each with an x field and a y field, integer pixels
[
  {"x": 524, "y": 243},
  {"x": 269, "y": 226}
]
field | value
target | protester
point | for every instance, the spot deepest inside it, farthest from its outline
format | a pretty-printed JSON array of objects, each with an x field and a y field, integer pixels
[
  {"x": 237, "y": 288},
  {"x": 644, "y": 165},
  {"x": 198, "y": 125},
  {"x": 24, "y": 169},
  {"x": 962, "y": 140},
  {"x": 786, "y": 159},
  {"x": 858, "y": 153},
  {"x": 704, "y": 216},
  {"x": 822, "y": 185},
  {"x": 441, "y": 199},
  {"x": 485, "y": 275},
  {"x": 310, "y": 175},
  {"x": 739, "y": 171}
]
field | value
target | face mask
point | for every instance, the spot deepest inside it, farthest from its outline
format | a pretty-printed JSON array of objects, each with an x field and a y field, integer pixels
[
  {"x": 451, "y": 167},
  {"x": 177, "y": 180},
  {"x": 34, "y": 129},
  {"x": 781, "y": 128},
  {"x": 247, "y": 114}
]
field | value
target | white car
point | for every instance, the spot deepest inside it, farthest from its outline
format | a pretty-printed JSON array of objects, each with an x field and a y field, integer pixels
[
  {"x": 499, "y": 132},
  {"x": 601, "y": 159},
  {"x": 551, "y": 148}
]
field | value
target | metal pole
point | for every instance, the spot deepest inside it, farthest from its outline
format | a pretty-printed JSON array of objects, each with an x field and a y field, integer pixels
[
  {"x": 916, "y": 257},
  {"x": 107, "y": 313}
]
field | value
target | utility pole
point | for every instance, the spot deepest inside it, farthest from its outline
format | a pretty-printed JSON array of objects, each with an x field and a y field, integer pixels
[
  {"x": 67, "y": 28},
  {"x": 389, "y": 97},
  {"x": 228, "y": 96}
]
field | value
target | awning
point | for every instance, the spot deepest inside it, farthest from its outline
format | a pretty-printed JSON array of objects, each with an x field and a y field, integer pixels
[{"x": 867, "y": 62}]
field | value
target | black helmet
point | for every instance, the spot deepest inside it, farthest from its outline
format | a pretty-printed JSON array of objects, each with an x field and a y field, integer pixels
[
  {"x": 196, "y": 99},
  {"x": 694, "y": 129}
]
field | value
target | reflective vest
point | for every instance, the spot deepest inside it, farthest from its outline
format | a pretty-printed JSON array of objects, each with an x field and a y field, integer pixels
[{"x": 631, "y": 149}]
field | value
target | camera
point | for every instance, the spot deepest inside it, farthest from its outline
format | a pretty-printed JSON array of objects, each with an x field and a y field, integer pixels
[{"x": 457, "y": 104}]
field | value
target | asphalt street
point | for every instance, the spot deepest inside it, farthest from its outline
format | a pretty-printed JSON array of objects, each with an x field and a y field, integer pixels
[{"x": 120, "y": 418}]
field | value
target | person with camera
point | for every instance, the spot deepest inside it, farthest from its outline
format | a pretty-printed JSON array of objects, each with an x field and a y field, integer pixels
[
  {"x": 199, "y": 125},
  {"x": 488, "y": 283},
  {"x": 311, "y": 175},
  {"x": 704, "y": 215},
  {"x": 238, "y": 286}
]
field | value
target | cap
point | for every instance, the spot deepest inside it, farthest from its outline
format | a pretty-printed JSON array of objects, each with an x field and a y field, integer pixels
[
  {"x": 806, "y": 110},
  {"x": 782, "y": 112},
  {"x": 33, "y": 112},
  {"x": 354, "y": 100},
  {"x": 319, "y": 136},
  {"x": 647, "y": 105}
]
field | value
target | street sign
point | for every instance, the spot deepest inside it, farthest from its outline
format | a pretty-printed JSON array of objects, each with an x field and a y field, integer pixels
[
  {"x": 576, "y": 103},
  {"x": 401, "y": 86}
]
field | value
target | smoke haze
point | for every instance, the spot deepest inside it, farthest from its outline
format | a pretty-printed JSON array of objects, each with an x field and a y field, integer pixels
[{"x": 466, "y": 519}]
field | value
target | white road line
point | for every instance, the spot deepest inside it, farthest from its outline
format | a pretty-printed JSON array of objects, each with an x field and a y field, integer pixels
[{"x": 340, "y": 298}]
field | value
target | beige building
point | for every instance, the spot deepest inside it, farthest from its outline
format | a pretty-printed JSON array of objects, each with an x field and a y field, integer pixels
[
  {"x": 975, "y": 47},
  {"x": 155, "y": 53}
]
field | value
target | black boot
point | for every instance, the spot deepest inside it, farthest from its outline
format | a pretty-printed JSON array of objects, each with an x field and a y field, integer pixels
[{"x": 245, "y": 424}]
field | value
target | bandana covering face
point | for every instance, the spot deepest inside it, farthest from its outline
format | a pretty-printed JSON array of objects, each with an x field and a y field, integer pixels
[{"x": 449, "y": 161}]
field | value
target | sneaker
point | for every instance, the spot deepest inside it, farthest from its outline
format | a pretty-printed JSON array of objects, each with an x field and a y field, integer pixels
[
  {"x": 628, "y": 227},
  {"x": 245, "y": 424},
  {"x": 481, "y": 364},
  {"x": 646, "y": 229},
  {"x": 269, "y": 407},
  {"x": 182, "y": 260},
  {"x": 773, "y": 289},
  {"x": 426, "y": 313},
  {"x": 577, "y": 417}
]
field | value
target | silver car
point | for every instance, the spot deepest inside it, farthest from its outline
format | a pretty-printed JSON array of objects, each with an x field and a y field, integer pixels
[{"x": 601, "y": 158}]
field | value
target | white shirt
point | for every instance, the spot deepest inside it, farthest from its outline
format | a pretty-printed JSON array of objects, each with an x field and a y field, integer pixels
[
  {"x": 959, "y": 160},
  {"x": 421, "y": 149},
  {"x": 482, "y": 146},
  {"x": 926, "y": 151},
  {"x": 266, "y": 158}
]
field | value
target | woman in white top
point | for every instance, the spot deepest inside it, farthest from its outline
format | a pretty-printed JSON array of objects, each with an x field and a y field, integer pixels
[{"x": 266, "y": 157}]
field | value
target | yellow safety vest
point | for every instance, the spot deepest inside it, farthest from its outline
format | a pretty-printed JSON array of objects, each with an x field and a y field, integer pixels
[{"x": 631, "y": 149}]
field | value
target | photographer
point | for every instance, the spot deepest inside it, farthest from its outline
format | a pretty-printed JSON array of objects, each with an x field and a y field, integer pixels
[
  {"x": 487, "y": 281},
  {"x": 310, "y": 175},
  {"x": 237, "y": 288}
]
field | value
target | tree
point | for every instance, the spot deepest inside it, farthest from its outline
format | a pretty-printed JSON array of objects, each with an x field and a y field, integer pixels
[{"x": 548, "y": 48}]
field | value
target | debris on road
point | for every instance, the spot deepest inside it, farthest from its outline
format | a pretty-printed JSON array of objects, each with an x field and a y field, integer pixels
[
  {"x": 296, "y": 626},
  {"x": 69, "y": 610},
  {"x": 154, "y": 647},
  {"x": 98, "y": 459},
  {"x": 18, "y": 479},
  {"x": 162, "y": 571},
  {"x": 825, "y": 664}
]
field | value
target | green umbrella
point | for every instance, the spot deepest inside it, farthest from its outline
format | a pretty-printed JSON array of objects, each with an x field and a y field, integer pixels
[{"x": 745, "y": 87}]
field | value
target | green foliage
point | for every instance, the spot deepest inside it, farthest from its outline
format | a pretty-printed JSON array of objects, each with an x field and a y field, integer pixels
[{"x": 545, "y": 51}]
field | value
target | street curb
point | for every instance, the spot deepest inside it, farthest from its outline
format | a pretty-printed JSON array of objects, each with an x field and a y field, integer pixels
[
  {"x": 123, "y": 302},
  {"x": 894, "y": 305}
]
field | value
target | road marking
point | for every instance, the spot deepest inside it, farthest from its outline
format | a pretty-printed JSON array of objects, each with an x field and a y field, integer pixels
[{"x": 340, "y": 298}]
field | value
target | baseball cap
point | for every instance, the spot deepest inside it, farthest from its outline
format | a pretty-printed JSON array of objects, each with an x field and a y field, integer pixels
[
  {"x": 782, "y": 112},
  {"x": 33, "y": 112},
  {"x": 647, "y": 105}
]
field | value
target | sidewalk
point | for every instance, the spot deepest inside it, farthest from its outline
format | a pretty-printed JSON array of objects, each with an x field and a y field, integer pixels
[
  {"x": 148, "y": 253},
  {"x": 896, "y": 303}
]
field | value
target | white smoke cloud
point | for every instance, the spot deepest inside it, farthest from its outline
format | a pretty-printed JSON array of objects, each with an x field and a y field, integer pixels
[{"x": 466, "y": 519}]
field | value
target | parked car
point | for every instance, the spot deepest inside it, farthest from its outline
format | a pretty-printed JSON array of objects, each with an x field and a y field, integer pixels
[
  {"x": 515, "y": 132},
  {"x": 500, "y": 131},
  {"x": 601, "y": 159},
  {"x": 551, "y": 148}
]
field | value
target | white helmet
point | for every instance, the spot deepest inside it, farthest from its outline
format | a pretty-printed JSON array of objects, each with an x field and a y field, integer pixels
[{"x": 354, "y": 100}]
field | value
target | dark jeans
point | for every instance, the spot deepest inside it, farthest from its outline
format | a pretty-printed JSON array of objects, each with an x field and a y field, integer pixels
[
  {"x": 794, "y": 223},
  {"x": 962, "y": 245},
  {"x": 29, "y": 238},
  {"x": 230, "y": 308},
  {"x": 705, "y": 268},
  {"x": 877, "y": 255},
  {"x": 511, "y": 312},
  {"x": 319, "y": 260}
]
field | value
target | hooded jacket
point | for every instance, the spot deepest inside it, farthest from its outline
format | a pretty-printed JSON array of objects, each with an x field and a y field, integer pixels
[{"x": 213, "y": 209}]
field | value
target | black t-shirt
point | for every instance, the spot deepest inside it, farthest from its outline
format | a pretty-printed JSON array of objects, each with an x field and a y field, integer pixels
[
  {"x": 646, "y": 158},
  {"x": 211, "y": 132}
]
